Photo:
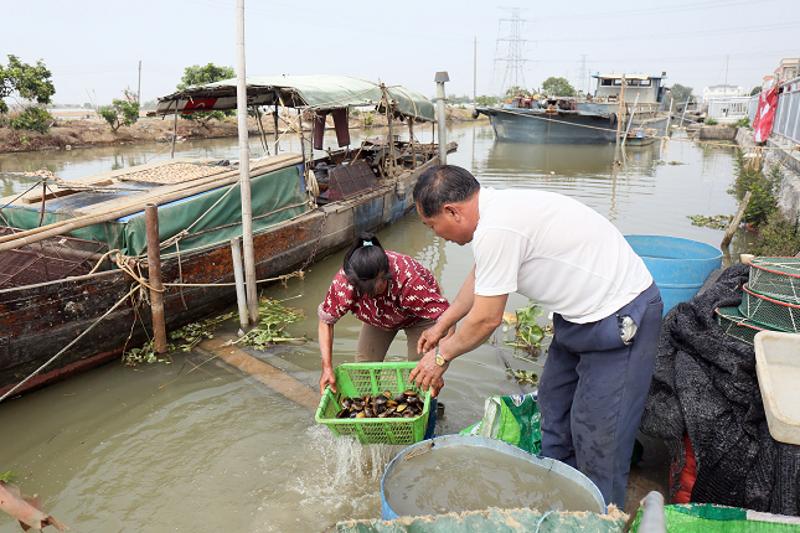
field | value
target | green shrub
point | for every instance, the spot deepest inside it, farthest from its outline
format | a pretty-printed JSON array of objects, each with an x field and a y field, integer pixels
[
  {"x": 120, "y": 113},
  {"x": 710, "y": 122},
  {"x": 764, "y": 189},
  {"x": 779, "y": 236},
  {"x": 743, "y": 123},
  {"x": 32, "y": 118}
]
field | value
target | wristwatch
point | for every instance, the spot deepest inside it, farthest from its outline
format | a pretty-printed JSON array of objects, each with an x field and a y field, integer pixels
[{"x": 439, "y": 359}]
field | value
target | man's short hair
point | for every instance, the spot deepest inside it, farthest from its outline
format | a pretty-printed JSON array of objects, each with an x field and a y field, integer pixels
[{"x": 443, "y": 184}]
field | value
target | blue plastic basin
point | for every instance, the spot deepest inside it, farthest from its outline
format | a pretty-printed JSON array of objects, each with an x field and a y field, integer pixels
[
  {"x": 553, "y": 466},
  {"x": 679, "y": 266}
]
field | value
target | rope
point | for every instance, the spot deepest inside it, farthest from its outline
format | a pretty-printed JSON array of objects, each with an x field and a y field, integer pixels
[
  {"x": 68, "y": 346},
  {"x": 544, "y": 517}
]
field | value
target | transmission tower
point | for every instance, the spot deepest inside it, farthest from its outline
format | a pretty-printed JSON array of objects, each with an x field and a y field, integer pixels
[{"x": 510, "y": 49}]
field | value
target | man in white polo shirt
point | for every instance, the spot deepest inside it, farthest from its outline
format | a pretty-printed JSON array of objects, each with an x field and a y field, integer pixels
[{"x": 575, "y": 263}]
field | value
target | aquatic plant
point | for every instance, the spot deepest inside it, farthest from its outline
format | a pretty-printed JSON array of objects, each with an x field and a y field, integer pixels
[
  {"x": 274, "y": 319},
  {"x": 8, "y": 476},
  {"x": 714, "y": 221},
  {"x": 523, "y": 377},
  {"x": 528, "y": 333}
]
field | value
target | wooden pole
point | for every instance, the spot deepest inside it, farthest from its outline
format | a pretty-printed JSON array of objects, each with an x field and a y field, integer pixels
[
  {"x": 685, "y": 106},
  {"x": 669, "y": 115},
  {"x": 261, "y": 132},
  {"x": 411, "y": 140},
  {"x": 244, "y": 169},
  {"x": 390, "y": 170},
  {"x": 734, "y": 225},
  {"x": 630, "y": 121},
  {"x": 174, "y": 131},
  {"x": 154, "y": 274},
  {"x": 275, "y": 125},
  {"x": 238, "y": 277}
]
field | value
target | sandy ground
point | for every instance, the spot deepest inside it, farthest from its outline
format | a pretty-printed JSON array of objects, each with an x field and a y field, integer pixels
[{"x": 83, "y": 128}]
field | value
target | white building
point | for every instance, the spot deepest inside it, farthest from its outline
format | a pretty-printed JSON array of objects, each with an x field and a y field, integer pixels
[{"x": 722, "y": 91}]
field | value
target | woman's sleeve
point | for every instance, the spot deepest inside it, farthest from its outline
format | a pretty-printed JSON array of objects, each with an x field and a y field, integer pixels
[
  {"x": 338, "y": 301},
  {"x": 422, "y": 295}
]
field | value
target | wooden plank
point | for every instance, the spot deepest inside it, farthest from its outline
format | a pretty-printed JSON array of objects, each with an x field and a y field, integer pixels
[{"x": 272, "y": 377}]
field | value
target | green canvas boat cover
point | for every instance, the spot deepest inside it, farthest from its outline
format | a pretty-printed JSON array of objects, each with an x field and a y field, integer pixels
[
  {"x": 207, "y": 218},
  {"x": 313, "y": 92}
]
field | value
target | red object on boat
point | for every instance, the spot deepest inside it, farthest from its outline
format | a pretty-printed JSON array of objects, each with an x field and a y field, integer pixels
[
  {"x": 765, "y": 114},
  {"x": 688, "y": 474},
  {"x": 199, "y": 104}
]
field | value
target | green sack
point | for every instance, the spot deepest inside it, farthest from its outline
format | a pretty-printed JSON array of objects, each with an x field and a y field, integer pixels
[
  {"x": 710, "y": 518},
  {"x": 513, "y": 419}
]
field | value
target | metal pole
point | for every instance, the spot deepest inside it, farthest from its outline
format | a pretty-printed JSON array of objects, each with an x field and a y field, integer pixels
[
  {"x": 238, "y": 277},
  {"x": 244, "y": 169},
  {"x": 686, "y": 105},
  {"x": 440, "y": 79},
  {"x": 475, "y": 70},
  {"x": 154, "y": 273},
  {"x": 139, "y": 89}
]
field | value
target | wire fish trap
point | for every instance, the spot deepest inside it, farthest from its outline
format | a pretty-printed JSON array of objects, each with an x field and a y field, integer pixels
[
  {"x": 737, "y": 325},
  {"x": 776, "y": 277},
  {"x": 771, "y": 313}
]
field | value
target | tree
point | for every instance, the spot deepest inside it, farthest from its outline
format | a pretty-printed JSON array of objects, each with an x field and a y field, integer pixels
[
  {"x": 201, "y": 75},
  {"x": 680, "y": 94},
  {"x": 553, "y": 86},
  {"x": 516, "y": 90},
  {"x": 30, "y": 82},
  {"x": 756, "y": 90},
  {"x": 121, "y": 112},
  {"x": 487, "y": 101}
]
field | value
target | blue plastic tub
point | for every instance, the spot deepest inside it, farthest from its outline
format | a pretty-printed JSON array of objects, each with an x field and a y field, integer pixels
[
  {"x": 679, "y": 266},
  {"x": 387, "y": 513}
]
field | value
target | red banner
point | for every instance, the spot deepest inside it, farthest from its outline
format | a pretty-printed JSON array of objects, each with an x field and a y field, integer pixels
[{"x": 765, "y": 114}]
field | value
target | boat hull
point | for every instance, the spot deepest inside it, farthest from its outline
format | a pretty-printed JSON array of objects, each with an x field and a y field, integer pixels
[{"x": 539, "y": 127}]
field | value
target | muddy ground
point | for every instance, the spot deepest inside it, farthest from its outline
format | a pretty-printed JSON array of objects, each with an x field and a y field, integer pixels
[{"x": 68, "y": 133}]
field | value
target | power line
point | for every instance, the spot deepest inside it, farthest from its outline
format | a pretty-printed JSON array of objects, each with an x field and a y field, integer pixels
[{"x": 514, "y": 75}]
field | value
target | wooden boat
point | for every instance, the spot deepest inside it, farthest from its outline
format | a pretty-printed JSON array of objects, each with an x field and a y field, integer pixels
[{"x": 69, "y": 289}]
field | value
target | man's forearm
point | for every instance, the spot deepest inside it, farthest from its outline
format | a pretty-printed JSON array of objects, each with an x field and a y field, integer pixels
[
  {"x": 472, "y": 333},
  {"x": 462, "y": 303}
]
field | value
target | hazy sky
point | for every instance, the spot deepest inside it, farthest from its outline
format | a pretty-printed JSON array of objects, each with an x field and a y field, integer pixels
[{"x": 93, "y": 46}]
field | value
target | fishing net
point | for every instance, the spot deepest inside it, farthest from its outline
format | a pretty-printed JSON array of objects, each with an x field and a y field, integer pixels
[
  {"x": 736, "y": 325},
  {"x": 772, "y": 313},
  {"x": 776, "y": 277}
]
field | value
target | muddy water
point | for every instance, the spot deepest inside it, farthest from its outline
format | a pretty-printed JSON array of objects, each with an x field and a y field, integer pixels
[
  {"x": 471, "y": 478},
  {"x": 194, "y": 446}
]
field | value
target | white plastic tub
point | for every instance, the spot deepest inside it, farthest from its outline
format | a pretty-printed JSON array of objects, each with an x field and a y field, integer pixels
[{"x": 778, "y": 369}]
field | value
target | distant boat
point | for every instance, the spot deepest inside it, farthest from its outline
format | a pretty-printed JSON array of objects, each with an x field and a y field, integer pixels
[{"x": 571, "y": 120}]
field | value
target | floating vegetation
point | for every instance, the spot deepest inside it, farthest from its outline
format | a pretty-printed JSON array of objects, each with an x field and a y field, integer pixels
[
  {"x": 8, "y": 476},
  {"x": 181, "y": 340},
  {"x": 271, "y": 329},
  {"x": 714, "y": 221},
  {"x": 523, "y": 377},
  {"x": 528, "y": 333}
]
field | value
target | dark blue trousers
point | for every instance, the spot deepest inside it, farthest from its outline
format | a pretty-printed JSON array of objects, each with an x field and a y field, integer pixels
[{"x": 593, "y": 389}]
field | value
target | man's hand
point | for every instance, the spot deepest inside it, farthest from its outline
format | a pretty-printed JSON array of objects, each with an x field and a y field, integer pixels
[
  {"x": 437, "y": 388},
  {"x": 427, "y": 373},
  {"x": 327, "y": 378},
  {"x": 430, "y": 338}
]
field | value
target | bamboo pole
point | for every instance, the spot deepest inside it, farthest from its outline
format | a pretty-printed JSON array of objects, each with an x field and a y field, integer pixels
[
  {"x": 134, "y": 205},
  {"x": 734, "y": 225},
  {"x": 669, "y": 116},
  {"x": 411, "y": 140},
  {"x": 244, "y": 169},
  {"x": 174, "y": 131},
  {"x": 630, "y": 121},
  {"x": 154, "y": 274},
  {"x": 685, "y": 106},
  {"x": 275, "y": 126},
  {"x": 238, "y": 277},
  {"x": 261, "y": 131}
]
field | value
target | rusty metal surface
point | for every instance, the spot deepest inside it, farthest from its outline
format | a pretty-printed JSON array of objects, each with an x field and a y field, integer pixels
[{"x": 349, "y": 180}]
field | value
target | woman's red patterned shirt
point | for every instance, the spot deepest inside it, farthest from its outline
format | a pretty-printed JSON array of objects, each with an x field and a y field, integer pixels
[{"x": 413, "y": 295}]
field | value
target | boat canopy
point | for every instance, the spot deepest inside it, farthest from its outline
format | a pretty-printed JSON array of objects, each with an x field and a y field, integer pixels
[{"x": 318, "y": 92}]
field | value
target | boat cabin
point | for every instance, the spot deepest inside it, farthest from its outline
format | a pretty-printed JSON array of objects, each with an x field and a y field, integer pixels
[{"x": 650, "y": 89}]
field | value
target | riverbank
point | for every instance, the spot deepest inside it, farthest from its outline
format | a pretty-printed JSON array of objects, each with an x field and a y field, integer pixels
[{"x": 82, "y": 133}]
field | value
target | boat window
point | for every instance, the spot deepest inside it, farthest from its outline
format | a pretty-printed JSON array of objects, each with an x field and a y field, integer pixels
[
  {"x": 633, "y": 83},
  {"x": 645, "y": 83},
  {"x": 618, "y": 82},
  {"x": 606, "y": 82}
]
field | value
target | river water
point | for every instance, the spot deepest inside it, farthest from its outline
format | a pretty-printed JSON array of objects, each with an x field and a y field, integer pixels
[{"x": 196, "y": 446}]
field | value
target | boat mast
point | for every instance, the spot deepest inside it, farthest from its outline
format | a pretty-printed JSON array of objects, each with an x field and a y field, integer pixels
[{"x": 244, "y": 168}]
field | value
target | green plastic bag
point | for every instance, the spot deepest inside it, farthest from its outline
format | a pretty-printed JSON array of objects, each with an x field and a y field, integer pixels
[
  {"x": 710, "y": 518},
  {"x": 513, "y": 419}
]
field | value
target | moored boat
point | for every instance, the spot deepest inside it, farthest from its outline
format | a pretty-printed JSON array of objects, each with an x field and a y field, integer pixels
[{"x": 73, "y": 255}]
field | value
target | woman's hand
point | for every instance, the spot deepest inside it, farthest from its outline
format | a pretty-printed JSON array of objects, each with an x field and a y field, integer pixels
[
  {"x": 430, "y": 338},
  {"x": 327, "y": 378}
]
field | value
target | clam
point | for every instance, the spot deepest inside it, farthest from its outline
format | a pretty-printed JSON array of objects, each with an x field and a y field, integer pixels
[
  {"x": 409, "y": 392},
  {"x": 402, "y": 407}
]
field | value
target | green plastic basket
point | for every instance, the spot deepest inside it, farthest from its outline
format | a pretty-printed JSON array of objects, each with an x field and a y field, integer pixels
[{"x": 358, "y": 379}]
